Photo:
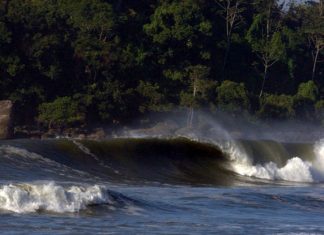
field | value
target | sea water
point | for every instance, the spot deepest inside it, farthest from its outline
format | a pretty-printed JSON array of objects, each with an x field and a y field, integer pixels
[{"x": 56, "y": 187}]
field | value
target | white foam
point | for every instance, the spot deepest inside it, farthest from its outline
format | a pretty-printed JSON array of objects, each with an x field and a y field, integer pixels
[
  {"x": 295, "y": 169},
  {"x": 319, "y": 156},
  {"x": 7, "y": 151},
  {"x": 27, "y": 198}
]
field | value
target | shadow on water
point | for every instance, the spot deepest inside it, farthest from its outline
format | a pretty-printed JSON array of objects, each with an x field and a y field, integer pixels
[{"x": 145, "y": 160}]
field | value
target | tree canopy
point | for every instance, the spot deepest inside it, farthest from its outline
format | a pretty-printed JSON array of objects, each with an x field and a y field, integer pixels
[{"x": 112, "y": 61}]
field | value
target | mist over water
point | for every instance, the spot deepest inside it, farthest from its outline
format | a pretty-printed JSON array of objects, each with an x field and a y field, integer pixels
[
  {"x": 230, "y": 135},
  {"x": 212, "y": 178}
]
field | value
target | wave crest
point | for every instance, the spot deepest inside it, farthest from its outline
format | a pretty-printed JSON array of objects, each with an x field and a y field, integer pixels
[{"x": 28, "y": 198}]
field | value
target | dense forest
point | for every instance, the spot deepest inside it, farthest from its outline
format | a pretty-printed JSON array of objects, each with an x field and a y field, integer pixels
[{"x": 72, "y": 62}]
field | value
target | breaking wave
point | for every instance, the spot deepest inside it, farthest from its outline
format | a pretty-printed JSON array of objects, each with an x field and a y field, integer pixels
[
  {"x": 50, "y": 197},
  {"x": 175, "y": 160},
  {"x": 295, "y": 169}
]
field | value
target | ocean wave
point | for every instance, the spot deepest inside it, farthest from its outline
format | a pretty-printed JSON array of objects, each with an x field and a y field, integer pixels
[
  {"x": 175, "y": 160},
  {"x": 295, "y": 169},
  {"x": 50, "y": 197}
]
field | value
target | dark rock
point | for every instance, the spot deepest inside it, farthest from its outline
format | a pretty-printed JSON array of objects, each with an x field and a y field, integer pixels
[
  {"x": 32, "y": 132},
  {"x": 160, "y": 129},
  {"x": 50, "y": 134},
  {"x": 97, "y": 134}
]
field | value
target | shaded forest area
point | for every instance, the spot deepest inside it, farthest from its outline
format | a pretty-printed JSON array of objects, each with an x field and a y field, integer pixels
[{"x": 73, "y": 62}]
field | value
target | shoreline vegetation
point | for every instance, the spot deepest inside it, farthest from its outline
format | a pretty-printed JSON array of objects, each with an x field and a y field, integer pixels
[
  {"x": 175, "y": 126},
  {"x": 67, "y": 64}
]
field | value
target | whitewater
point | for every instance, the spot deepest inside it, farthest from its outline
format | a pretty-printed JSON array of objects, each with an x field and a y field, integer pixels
[
  {"x": 296, "y": 169},
  {"x": 191, "y": 183}
]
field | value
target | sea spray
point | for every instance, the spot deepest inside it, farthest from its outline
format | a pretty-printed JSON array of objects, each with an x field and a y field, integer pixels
[
  {"x": 33, "y": 197},
  {"x": 319, "y": 156},
  {"x": 295, "y": 170},
  {"x": 318, "y": 162}
]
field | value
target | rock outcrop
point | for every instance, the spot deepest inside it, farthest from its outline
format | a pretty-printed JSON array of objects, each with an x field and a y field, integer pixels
[
  {"x": 6, "y": 130},
  {"x": 160, "y": 129}
]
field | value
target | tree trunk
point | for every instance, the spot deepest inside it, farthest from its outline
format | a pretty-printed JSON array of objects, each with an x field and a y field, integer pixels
[
  {"x": 5, "y": 4},
  {"x": 191, "y": 110},
  {"x": 314, "y": 63},
  {"x": 190, "y": 117},
  {"x": 229, "y": 27},
  {"x": 228, "y": 46},
  {"x": 264, "y": 80}
]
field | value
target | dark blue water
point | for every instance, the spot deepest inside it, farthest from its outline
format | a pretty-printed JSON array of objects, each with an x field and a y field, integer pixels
[
  {"x": 187, "y": 210},
  {"x": 41, "y": 196}
]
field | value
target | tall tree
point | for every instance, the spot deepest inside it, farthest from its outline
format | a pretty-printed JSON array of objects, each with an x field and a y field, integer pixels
[
  {"x": 94, "y": 21},
  {"x": 179, "y": 30},
  {"x": 314, "y": 28},
  {"x": 197, "y": 75},
  {"x": 265, "y": 38},
  {"x": 231, "y": 12}
]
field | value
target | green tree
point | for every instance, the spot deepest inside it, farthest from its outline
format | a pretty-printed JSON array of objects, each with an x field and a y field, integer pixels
[
  {"x": 305, "y": 99},
  {"x": 232, "y": 14},
  {"x": 233, "y": 97},
  {"x": 198, "y": 75},
  {"x": 308, "y": 90},
  {"x": 179, "y": 29},
  {"x": 61, "y": 112},
  {"x": 314, "y": 29},
  {"x": 94, "y": 21},
  {"x": 265, "y": 38},
  {"x": 277, "y": 107},
  {"x": 153, "y": 99}
]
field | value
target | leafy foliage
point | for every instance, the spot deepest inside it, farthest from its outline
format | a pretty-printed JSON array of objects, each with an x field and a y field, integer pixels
[
  {"x": 308, "y": 90},
  {"x": 277, "y": 107},
  {"x": 62, "y": 111},
  {"x": 113, "y": 61},
  {"x": 232, "y": 97}
]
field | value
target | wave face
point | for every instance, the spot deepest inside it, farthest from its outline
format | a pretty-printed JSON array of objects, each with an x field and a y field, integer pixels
[
  {"x": 171, "y": 161},
  {"x": 70, "y": 176}
]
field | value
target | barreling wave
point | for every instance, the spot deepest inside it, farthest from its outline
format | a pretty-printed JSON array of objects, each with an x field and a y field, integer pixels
[{"x": 164, "y": 160}]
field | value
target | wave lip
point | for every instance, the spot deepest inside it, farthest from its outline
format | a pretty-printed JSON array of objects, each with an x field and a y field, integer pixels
[
  {"x": 50, "y": 197},
  {"x": 166, "y": 160},
  {"x": 295, "y": 169}
]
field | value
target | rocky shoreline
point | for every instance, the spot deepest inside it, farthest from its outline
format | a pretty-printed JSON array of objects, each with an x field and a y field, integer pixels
[
  {"x": 235, "y": 129},
  {"x": 171, "y": 129},
  {"x": 26, "y": 132},
  {"x": 96, "y": 133}
]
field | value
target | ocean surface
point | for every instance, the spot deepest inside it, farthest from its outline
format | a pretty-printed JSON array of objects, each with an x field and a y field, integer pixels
[{"x": 161, "y": 185}]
